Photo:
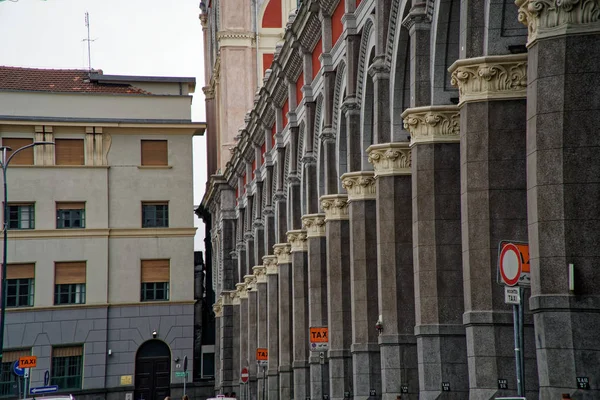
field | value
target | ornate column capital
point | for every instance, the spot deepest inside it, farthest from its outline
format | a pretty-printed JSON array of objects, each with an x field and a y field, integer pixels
[
  {"x": 218, "y": 307},
  {"x": 335, "y": 207},
  {"x": 360, "y": 185},
  {"x": 314, "y": 224},
  {"x": 241, "y": 292},
  {"x": 297, "y": 240},
  {"x": 490, "y": 78},
  {"x": 548, "y": 18},
  {"x": 227, "y": 296},
  {"x": 432, "y": 124},
  {"x": 390, "y": 159},
  {"x": 250, "y": 282},
  {"x": 260, "y": 274},
  {"x": 282, "y": 252},
  {"x": 270, "y": 264}
]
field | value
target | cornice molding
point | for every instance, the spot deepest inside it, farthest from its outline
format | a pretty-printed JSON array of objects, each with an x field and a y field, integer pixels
[
  {"x": 260, "y": 273},
  {"x": 297, "y": 240},
  {"x": 335, "y": 207},
  {"x": 314, "y": 224},
  {"x": 360, "y": 185},
  {"x": 390, "y": 159},
  {"x": 270, "y": 264},
  {"x": 550, "y": 18},
  {"x": 490, "y": 78},
  {"x": 282, "y": 251},
  {"x": 432, "y": 124},
  {"x": 94, "y": 233}
]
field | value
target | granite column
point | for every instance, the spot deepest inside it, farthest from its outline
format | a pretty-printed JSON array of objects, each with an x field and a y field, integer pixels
[
  {"x": 284, "y": 285},
  {"x": 272, "y": 271}
]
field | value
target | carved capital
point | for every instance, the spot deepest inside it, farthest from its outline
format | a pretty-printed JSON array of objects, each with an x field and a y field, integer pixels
[
  {"x": 490, "y": 78},
  {"x": 548, "y": 18},
  {"x": 227, "y": 296},
  {"x": 209, "y": 92},
  {"x": 241, "y": 292},
  {"x": 297, "y": 240},
  {"x": 218, "y": 307},
  {"x": 260, "y": 274},
  {"x": 390, "y": 159},
  {"x": 282, "y": 251},
  {"x": 434, "y": 124},
  {"x": 327, "y": 135},
  {"x": 250, "y": 282},
  {"x": 335, "y": 207},
  {"x": 314, "y": 224},
  {"x": 270, "y": 264},
  {"x": 360, "y": 185}
]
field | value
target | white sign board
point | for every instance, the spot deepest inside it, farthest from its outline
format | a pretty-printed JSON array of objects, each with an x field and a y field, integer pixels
[{"x": 512, "y": 295}]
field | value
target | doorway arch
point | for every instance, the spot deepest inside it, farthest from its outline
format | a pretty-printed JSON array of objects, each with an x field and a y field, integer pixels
[{"x": 152, "y": 371}]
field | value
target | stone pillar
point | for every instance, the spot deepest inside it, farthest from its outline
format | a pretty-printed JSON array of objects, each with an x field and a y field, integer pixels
[
  {"x": 284, "y": 265},
  {"x": 252, "y": 345},
  {"x": 243, "y": 359},
  {"x": 494, "y": 207},
  {"x": 339, "y": 307},
  {"x": 261, "y": 321},
  {"x": 441, "y": 340},
  {"x": 297, "y": 240},
  {"x": 562, "y": 181},
  {"x": 363, "y": 274},
  {"x": 234, "y": 377},
  {"x": 314, "y": 224},
  {"x": 272, "y": 271},
  {"x": 241, "y": 258}
]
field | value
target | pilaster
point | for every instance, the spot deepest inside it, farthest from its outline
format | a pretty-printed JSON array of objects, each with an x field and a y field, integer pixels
[
  {"x": 286, "y": 355},
  {"x": 271, "y": 272}
]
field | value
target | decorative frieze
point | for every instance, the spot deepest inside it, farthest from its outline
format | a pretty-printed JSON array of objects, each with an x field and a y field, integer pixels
[
  {"x": 335, "y": 207},
  {"x": 270, "y": 264},
  {"x": 260, "y": 274},
  {"x": 360, "y": 185},
  {"x": 490, "y": 78},
  {"x": 432, "y": 124},
  {"x": 282, "y": 251},
  {"x": 390, "y": 159},
  {"x": 314, "y": 224},
  {"x": 547, "y": 18},
  {"x": 297, "y": 240}
]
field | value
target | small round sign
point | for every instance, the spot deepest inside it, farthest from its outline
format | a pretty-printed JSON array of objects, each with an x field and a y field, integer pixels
[
  {"x": 244, "y": 375},
  {"x": 16, "y": 370},
  {"x": 510, "y": 264}
]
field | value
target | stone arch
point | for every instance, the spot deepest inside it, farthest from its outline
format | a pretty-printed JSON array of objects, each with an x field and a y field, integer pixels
[
  {"x": 300, "y": 167},
  {"x": 318, "y": 148},
  {"x": 339, "y": 123},
  {"x": 445, "y": 30},
  {"x": 400, "y": 77},
  {"x": 367, "y": 126},
  {"x": 340, "y": 81},
  {"x": 366, "y": 43}
]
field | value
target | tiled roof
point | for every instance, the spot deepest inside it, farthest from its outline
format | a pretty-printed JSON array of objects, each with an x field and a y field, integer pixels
[{"x": 58, "y": 80}]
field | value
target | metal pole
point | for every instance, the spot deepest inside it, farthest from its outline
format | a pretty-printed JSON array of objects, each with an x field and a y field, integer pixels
[
  {"x": 517, "y": 348},
  {"x": 264, "y": 380},
  {"x": 322, "y": 361},
  {"x": 5, "y": 247},
  {"x": 522, "y": 338}
]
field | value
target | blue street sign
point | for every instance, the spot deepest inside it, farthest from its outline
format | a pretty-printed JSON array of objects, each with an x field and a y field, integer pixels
[
  {"x": 43, "y": 389},
  {"x": 18, "y": 371}
]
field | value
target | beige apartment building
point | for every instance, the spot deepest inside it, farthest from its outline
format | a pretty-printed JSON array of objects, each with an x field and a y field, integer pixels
[{"x": 100, "y": 249}]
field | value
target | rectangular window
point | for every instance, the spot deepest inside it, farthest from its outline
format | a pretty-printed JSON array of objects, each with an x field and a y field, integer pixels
[
  {"x": 21, "y": 216},
  {"x": 155, "y": 152},
  {"x": 24, "y": 157},
  {"x": 155, "y": 215},
  {"x": 20, "y": 285},
  {"x": 68, "y": 152},
  {"x": 70, "y": 215},
  {"x": 155, "y": 280},
  {"x": 69, "y": 282},
  {"x": 67, "y": 367},
  {"x": 8, "y": 379}
]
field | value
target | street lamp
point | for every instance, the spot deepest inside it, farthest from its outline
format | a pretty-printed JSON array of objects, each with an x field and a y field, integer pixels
[{"x": 4, "y": 164}]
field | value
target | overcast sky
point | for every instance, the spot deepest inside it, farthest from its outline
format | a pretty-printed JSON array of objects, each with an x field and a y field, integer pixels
[{"x": 130, "y": 37}]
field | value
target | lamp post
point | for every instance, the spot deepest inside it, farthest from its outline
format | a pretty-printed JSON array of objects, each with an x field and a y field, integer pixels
[{"x": 4, "y": 164}]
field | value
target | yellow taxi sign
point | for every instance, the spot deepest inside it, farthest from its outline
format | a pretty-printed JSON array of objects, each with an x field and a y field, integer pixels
[
  {"x": 319, "y": 335},
  {"x": 28, "y": 362}
]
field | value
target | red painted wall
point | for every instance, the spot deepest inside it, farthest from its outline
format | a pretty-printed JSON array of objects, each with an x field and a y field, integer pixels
[
  {"x": 357, "y": 3},
  {"x": 286, "y": 109},
  {"x": 336, "y": 22},
  {"x": 316, "y": 64},
  {"x": 272, "y": 16},
  {"x": 299, "y": 84},
  {"x": 267, "y": 61}
]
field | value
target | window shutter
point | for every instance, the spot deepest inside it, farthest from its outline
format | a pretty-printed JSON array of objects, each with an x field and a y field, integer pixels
[
  {"x": 14, "y": 355},
  {"x": 69, "y": 272},
  {"x": 155, "y": 152},
  {"x": 20, "y": 271},
  {"x": 67, "y": 351},
  {"x": 70, "y": 206},
  {"x": 155, "y": 271},
  {"x": 69, "y": 151},
  {"x": 24, "y": 157}
]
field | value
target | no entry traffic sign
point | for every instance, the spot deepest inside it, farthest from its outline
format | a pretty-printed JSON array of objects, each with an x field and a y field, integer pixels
[
  {"x": 244, "y": 375},
  {"x": 513, "y": 264}
]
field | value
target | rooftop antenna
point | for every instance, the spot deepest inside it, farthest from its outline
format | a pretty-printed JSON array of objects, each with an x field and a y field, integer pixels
[{"x": 89, "y": 41}]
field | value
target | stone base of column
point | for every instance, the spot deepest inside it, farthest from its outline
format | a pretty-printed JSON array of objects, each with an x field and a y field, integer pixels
[
  {"x": 399, "y": 366},
  {"x": 272, "y": 385},
  {"x": 340, "y": 373},
  {"x": 301, "y": 380},
  {"x": 286, "y": 379},
  {"x": 319, "y": 376},
  {"x": 442, "y": 354},
  {"x": 366, "y": 362}
]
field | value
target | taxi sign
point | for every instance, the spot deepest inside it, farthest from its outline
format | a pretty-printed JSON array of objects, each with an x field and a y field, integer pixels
[
  {"x": 513, "y": 264},
  {"x": 28, "y": 362},
  {"x": 319, "y": 339},
  {"x": 262, "y": 354}
]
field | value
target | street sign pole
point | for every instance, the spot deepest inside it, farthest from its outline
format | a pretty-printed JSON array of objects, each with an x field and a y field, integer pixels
[
  {"x": 185, "y": 366},
  {"x": 264, "y": 381}
]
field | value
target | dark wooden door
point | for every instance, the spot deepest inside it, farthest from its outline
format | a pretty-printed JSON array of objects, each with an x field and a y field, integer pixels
[{"x": 152, "y": 371}]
